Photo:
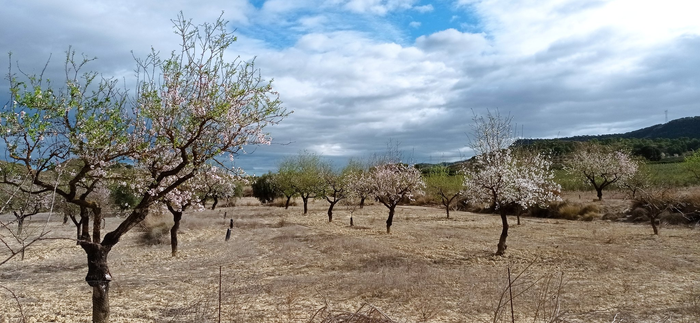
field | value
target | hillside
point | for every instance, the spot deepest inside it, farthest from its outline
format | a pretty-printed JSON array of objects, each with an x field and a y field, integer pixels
[
  {"x": 674, "y": 138},
  {"x": 688, "y": 127}
]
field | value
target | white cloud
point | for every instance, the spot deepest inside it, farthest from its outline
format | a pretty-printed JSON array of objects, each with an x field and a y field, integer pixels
[
  {"x": 414, "y": 24},
  {"x": 378, "y": 7},
  {"x": 424, "y": 9},
  {"x": 453, "y": 41}
]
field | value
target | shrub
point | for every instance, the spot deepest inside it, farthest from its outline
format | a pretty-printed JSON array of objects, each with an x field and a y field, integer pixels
[
  {"x": 568, "y": 211},
  {"x": 280, "y": 202},
  {"x": 154, "y": 230}
]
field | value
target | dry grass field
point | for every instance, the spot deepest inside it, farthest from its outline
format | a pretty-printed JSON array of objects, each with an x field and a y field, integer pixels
[{"x": 281, "y": 266}]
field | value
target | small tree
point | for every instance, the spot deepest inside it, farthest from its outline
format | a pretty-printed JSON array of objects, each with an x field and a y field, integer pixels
[
  {"x": 445, "y": 186},
  {"x": 357, "y": 187},
  {"x": 306, "y": 170},
  {"x": 217, "y": 183},
  {"x": 500, "y": 178},
  {"x": 337, "y": 187},
  {"x": 188, "y": 109},
  {"x": 391, "y": 183},
  {"x": 285, "y": 181},
  {"x": 601, "y": 166},
  {"x": 264, "y": 188},
  {"x": 639, "y": 181},
  {"x": 655, "y": 201},
  {"x": 692, "y": 164}
]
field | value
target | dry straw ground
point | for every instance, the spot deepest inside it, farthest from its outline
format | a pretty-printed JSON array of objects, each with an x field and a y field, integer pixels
[{"x": 281, "y": 266}]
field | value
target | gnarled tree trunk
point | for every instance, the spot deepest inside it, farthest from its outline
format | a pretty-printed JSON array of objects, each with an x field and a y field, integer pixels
[
  {"x": 286, "y": 204},
  {"x": 177, "y": 216},
  {"x": 98, "y": 277},
  {"x": 390, "y": 219},
  {"x": 216, "y": 201},
  {"x": 504, "y": 234},
  {"x": 306, "y": 203}
]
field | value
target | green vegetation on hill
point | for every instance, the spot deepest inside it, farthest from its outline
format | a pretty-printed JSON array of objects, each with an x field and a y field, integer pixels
[{"x": 660, "y": 142}]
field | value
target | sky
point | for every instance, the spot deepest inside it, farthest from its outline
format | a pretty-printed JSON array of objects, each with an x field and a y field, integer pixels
[{"x": 359, "y": 74}]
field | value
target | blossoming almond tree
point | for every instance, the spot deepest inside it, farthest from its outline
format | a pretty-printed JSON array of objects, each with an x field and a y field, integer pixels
[
  {"x": 337, "y": 186},
  {"x": 187, "y": 196},
  {"x": 392, "y": 182},
  {"x": 357, "y": 187},
  {"x": 188, "y": 109},
  {"x": 601, "y": 166},
  {"x": 500, "y": 178}
]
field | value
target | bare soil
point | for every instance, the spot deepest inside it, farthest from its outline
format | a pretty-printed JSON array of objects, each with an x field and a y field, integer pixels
[{"x": 282, "y": 266}]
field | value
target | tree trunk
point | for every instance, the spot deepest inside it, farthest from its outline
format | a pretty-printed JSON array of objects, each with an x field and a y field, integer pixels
[
  {"x": 20, "y": 224},
  {"x": 100, "y": 303},
  {"x": 177, "y": 216},
  {"x": 504, "y": 234},
  {"x": 306, "y": 202},
  {"x": 362, "y": 202},
  {"x": 84, "y": 224},
  {"x": 97, "y": 224},
  {"x": 98, "y": 277},
  {"x": 286, "y": 204},
  {"x": 599, "y": 192},
  {"x": 654, "y": 226},
  {"x": 390, "y": 219},
  {"x": 351, "y": 224},
  {"x": 330, "y": 212},
  {"x": 216, "y": 201}
]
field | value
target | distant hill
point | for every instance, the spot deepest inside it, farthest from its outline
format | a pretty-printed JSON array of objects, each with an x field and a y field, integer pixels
[
  {"x": 662, "y": 141},
  {"x": 688, "y": 127}
]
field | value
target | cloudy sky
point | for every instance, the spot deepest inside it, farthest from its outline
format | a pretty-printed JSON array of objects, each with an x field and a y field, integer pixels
[{"x": 358, "y": 73}]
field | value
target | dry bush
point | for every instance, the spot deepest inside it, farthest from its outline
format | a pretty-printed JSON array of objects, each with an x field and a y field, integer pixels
[
  {"x": 539, "y": 295},
  {"x": 568, "y": 211},
  {"x": 422, "y": 200},
  {"x": 154, "y": 229},
  {"x": 668, "y": 206},
  {"x": 365, "y": 314},
  {"x": 248, "y": 191},
  {"x": 281, "y": 202}
]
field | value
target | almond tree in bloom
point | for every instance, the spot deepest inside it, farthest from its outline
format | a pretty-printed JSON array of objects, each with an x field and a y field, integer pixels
[
  {"x": 188, "y": 109},
  {"x": 500, "y": 178},
  {"x": 392, "y": 182},
  {"x": 357, "y": 187},
  {"x": 187, "y": 196},
  {"x": 601, "y": 166},
  {"x": 337, "y": 186},
  {"x": 219, "y": 183}
]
